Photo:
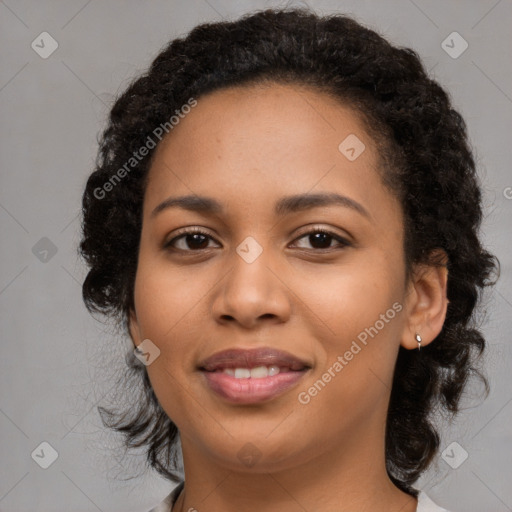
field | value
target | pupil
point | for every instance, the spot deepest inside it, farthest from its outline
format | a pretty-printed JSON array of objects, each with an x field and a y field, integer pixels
[
  {"x": 196, "y": 244},
  {"x": 318, "y": 240},
  {"x": 322, "y": 238}
]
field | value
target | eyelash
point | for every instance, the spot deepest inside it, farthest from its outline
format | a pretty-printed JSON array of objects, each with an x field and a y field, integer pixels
[{"x": 193, "y": 231}]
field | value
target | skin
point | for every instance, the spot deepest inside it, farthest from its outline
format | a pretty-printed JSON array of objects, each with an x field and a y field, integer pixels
[{"x": 247, "y": 147}]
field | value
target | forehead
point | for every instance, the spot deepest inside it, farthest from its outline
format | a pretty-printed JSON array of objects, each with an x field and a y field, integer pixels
[
  {"x": 263, "y": 141},
  {"x": 264, "y": 117}
]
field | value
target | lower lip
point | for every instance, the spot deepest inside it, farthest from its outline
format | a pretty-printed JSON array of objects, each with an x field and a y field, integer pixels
[{"x": 250, "y": 391}]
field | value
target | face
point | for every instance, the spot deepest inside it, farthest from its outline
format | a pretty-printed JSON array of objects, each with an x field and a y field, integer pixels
[{"x": 322, "y": 279}]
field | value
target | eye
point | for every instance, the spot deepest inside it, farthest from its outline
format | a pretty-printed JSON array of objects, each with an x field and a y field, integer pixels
[
  {"x": 321, "y": 239},
  {"x": 195, "y": 240},
  {"x": 192, "y": 239}
]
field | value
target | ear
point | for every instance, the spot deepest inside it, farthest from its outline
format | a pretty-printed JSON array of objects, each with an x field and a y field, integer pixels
[
  {"x": 133, "y": 328},
  {"x": 426, "y": 301}
]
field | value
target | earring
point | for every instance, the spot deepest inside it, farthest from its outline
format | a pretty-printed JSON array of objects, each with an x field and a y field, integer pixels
[{"x": 418, "y": 339}]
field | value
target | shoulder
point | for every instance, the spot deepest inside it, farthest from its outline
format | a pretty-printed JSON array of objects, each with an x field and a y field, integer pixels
[
  {"x": 168, "y": 502},
  {"x": 425, "y": 504}
]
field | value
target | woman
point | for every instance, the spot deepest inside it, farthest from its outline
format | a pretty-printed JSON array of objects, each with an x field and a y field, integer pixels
[{"x": 284, "y": 215}]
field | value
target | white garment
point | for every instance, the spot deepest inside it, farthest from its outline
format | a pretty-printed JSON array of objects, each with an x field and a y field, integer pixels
[{"x": 425, "y": 504}]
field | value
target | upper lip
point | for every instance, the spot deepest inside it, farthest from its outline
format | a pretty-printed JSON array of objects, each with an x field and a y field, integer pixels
[{"x": 243, "y": 358}]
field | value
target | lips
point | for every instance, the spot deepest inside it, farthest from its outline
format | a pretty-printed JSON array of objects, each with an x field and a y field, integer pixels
[
  {"x": 252, "y": 376},
  {"x": 238, "y": 358}
]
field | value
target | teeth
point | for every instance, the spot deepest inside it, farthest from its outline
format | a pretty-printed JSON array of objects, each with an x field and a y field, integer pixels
[
  {"x": 273, "y": 370},
  {"x": 255, "y": 373},
  {"x": 242, "y": 373},
  {"x": 259, "y": 372}
]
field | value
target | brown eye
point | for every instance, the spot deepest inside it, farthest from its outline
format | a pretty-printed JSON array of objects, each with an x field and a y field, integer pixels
[
  {"x": 194, "y": 240},
  {"x": 189, "y": 241},
  {"x": 322, "y": 239}
]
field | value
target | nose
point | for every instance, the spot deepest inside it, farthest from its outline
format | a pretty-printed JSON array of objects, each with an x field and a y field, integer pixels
[{"x": 252, "y": 294}]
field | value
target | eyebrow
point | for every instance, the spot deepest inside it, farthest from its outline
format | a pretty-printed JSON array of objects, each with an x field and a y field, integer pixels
[{"x": 285, "y": 205}]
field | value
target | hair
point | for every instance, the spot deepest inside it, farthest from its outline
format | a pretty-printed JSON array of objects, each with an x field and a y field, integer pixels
[{"x": 426, "y": 162}]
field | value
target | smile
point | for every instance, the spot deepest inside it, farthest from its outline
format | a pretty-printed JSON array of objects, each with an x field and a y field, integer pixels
[{"x": 260, "y": 384}]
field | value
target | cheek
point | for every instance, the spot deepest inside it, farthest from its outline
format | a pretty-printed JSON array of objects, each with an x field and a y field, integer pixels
[
  {"x": 354, "y": 376},
  {"x": 167, "y": 303},
  {"x": 359, "y": 322},
  {"x": 165, "y": 298},
  {"x": 351, "y": 297}
]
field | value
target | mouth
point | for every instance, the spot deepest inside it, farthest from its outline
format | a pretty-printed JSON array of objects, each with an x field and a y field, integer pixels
[{"x": 251, "y": 376}]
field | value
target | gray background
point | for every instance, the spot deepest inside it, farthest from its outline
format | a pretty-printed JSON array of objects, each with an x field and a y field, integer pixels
[{"x": 56, "y": 363}]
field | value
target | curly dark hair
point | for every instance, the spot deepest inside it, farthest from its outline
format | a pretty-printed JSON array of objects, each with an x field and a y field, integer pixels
[{"x": 426, "y": 162}]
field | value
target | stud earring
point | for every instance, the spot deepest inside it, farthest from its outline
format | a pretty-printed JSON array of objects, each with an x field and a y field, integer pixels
[{"x": 418, "y": 339}]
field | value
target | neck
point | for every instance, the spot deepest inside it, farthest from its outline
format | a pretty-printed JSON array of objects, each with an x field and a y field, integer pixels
[{"x": 344, "y": 477}]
